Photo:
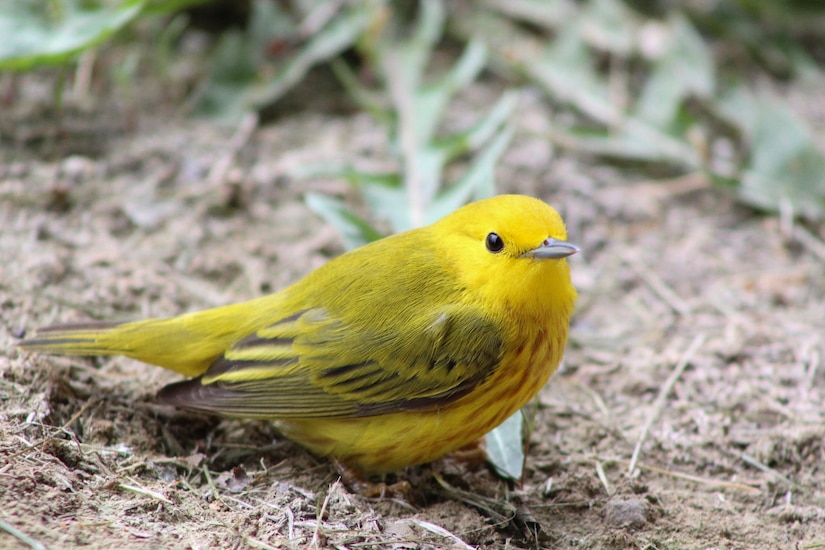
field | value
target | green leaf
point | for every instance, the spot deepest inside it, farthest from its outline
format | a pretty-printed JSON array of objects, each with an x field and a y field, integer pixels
[
  {"x": 436, "y": 96},
  {"x": 354, "y": 229},
  {"x": 51, "y": 32},
  {"x": 160, "y": 7},
  {"x": 785, "y": 169},
  {"x": 550, "y": 14},
  {"x": 609, "y": 26},
  {"x": 478, "y": 181},
  {"x": 418, "y": 108},
  {"x": 635, "y": 140},
  {"x": 369, "y": 100},
  {"x": 566, "y": 70},
  {"x": 241, "y": 81},
  {"x": 683, "y": 69},
  {"x": 476, "y": 136},
  {"x": 505, "y": 450},
  {"x": 389, "y": 204}
]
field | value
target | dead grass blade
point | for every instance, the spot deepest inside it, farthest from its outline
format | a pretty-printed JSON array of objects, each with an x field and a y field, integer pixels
[
  {"x": 319, "y": 518},
  {"x": 659, "y": 404},
  {"x": 810, "y": 241},
  {"x": 751, "y": 461},
  {"x": 704, "y": 481},
  {"x": 602, "y": 477},
  {"x": 144, "y": 492},
  {"x": 658, "y": 286},
  {"x": 441, "y": 532},
  {"x": 21, "y": 536}
]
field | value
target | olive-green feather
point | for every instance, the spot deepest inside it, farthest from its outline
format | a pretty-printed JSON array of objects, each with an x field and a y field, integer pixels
[{"x": 329, "y": 369}]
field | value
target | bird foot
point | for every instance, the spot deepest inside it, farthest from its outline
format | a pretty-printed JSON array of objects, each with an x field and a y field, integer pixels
[
  {"x": 472, "y": 456},
  {"x": 356, "y": 482}
]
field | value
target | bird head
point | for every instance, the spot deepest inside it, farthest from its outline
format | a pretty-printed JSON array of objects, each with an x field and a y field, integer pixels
[{"x": 510, "y": 250}]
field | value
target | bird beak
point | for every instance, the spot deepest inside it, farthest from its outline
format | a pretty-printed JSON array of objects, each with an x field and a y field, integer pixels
[{"x": 552, "y": 249}]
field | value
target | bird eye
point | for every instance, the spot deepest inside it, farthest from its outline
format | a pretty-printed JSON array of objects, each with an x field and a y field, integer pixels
[{"x": 494, "y": 243}]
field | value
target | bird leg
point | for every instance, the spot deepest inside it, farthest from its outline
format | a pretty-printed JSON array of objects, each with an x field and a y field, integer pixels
[
  {"x": 356, "y": 482},
  {"x": 472, "y": 455}
]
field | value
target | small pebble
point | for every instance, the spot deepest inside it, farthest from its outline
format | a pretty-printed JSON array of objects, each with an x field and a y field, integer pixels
[{"x": 626, "y": 513}]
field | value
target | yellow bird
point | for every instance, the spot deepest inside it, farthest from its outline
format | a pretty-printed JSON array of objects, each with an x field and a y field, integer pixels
[{"x": 390, "y": 355}]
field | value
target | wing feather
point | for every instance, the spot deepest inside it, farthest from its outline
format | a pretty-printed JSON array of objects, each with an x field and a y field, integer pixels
[{"x": 314, "y": 365}]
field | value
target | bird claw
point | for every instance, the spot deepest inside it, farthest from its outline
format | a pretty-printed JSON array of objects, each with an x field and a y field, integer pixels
[
  {"x": 356, "y": 482},
  {"x": 473, "y": 455}
]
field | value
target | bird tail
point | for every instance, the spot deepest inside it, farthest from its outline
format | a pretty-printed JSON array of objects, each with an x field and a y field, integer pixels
[
  {"x": 73, "y": 339},
  {"x": 187, "y": 344}
]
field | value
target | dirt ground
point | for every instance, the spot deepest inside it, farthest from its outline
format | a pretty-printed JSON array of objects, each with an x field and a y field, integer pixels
[{"x": 699, "y": 334}]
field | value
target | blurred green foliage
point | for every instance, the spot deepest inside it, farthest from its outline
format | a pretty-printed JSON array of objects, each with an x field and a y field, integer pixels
[
  {"x": 684, "y": 86},
  {"x": 54, "y": 32}
]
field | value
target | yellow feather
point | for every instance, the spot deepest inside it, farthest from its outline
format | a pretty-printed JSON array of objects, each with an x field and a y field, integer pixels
[{"x": 390, "y": 355}]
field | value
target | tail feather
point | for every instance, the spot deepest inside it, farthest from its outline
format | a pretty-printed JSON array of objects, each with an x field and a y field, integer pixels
[
  {"x": 71, "y": 339},
  {"x": 187, "y": 344}
]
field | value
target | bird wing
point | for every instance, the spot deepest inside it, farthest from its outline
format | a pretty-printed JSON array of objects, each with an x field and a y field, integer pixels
[{"x": 313, "y": 365}]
